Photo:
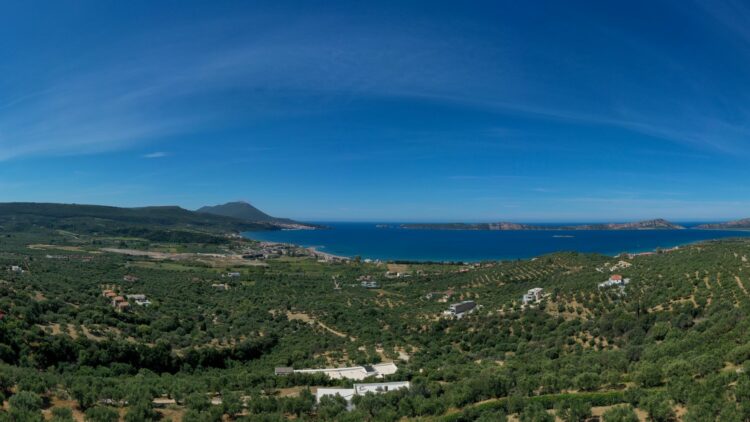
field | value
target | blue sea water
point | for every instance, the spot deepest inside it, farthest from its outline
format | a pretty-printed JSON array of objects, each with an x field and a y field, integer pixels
[{"x": 393, "y": 243}]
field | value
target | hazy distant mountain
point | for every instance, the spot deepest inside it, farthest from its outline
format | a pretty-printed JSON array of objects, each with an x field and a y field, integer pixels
[
  {"x": 657, "y": 224},
  {"x": 737, "y": 224}
]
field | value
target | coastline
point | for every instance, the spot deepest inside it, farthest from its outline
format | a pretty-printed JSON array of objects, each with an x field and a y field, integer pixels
[{"x": 324, "y": 255}]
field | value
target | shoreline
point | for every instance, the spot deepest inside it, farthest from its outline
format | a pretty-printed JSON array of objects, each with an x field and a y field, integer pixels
[{"x": 325, "y": 255}]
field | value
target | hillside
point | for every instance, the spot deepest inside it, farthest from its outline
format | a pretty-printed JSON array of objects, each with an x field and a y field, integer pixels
[
  {"x": 657, "y": 224},
  {"x": 156, "y": 223},
  {"x": 670, "y": 344}
]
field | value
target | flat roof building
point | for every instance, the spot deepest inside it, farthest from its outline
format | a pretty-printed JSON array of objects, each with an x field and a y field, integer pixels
[
  {"x": 533, "y": 295},
  {"x": 354, "y": 372},
  {"x": 458, "y": 310},
  {"x": 360, "y": 390},
  {"x": 283, "y": 370}
]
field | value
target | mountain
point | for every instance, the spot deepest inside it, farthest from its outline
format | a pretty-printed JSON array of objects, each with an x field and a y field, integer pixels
[
  {"x": 244, "y": 211},
  {"x": 656, "y": 224},
  {"x": 737, "y": 224},
  {"x": 240, "y": 210}
]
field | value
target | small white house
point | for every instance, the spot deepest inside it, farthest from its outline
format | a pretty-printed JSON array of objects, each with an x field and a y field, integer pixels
[
  {"x": 614, "y": 280},
  {"x": 139, "y": 299},
  {"x": 533, "y": 295}
]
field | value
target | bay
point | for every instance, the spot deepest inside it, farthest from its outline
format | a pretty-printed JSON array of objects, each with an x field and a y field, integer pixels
[{"x": 372, "y": 240}]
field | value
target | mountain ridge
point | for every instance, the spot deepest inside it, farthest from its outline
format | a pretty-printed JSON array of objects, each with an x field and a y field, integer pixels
[
  {"x": 155, "y": 221},
  {"x": 653, "y": 224},
  {"x": 743, "y": 223}
]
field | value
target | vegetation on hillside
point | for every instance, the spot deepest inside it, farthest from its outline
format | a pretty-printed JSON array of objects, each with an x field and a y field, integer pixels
[{"x": 672, "y": 345}]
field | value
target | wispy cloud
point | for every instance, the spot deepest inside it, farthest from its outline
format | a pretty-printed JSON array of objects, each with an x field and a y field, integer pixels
[
  {"x": 158, "y": 154},
  {"x": 108, "y": 102}
]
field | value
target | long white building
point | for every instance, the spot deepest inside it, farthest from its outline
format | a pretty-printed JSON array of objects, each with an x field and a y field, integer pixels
[
  {"x": 354, "y": 372},
  {"x": 360, "y": 390}
]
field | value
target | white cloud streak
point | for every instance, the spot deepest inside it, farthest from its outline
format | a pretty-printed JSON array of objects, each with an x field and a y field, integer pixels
[{"x": 163, "y": 91}]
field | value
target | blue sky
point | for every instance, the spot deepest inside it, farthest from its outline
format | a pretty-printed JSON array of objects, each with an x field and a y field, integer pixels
[{"x": 392, "y": 111}]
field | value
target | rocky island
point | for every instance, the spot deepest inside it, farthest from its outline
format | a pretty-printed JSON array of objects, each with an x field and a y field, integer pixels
[{"x": 656, "y": 224}]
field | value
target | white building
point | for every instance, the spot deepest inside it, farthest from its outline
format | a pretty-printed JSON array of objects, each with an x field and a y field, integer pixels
[
  {"x": 533, "y": 295},
  {"x": 360, "y": 390},
  {"x": 345, "y": 393},
  {"x": 614, "y": 280},
  {"x": 379, "y": 387},
  {"x": 354, "y": 372},
  {"x": 458, "y": 310},
  {"x": 139, "y": 299}
]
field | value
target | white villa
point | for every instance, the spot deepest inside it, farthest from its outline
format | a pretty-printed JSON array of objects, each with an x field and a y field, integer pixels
[
  {"x": 533, "y": 295},
  {"x": 614, "y": 280}
]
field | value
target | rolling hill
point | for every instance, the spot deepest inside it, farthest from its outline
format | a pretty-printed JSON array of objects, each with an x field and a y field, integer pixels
[{"x": 154, "y": 223}]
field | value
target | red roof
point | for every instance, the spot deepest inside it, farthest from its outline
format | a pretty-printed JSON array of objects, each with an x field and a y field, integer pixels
[{"x": 615, "y": 277}]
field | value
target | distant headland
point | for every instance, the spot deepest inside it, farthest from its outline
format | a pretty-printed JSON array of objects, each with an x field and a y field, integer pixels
[{"x": 656, "y": 224}]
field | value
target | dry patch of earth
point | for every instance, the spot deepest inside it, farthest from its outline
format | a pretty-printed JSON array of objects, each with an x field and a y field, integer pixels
[{"x": 301, "y": 316}]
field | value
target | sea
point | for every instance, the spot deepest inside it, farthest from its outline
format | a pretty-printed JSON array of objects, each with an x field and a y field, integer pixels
[{"x": 387, "y": 241}]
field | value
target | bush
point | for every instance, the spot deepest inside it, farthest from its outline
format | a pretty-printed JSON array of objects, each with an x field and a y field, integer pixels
[
  {"x": 658, "y": 407},
  {"x": 102, "y": 414},
  {"x": 62, "y": 414},
  {"x": 25, "y": 401},
  {"x": 623, "y": 413}
]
